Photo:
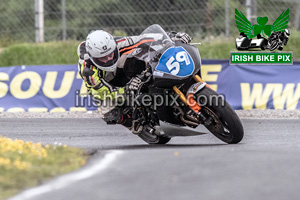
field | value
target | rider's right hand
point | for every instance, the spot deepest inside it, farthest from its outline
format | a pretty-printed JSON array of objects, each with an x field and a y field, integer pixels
[{"x": 183, "y": 37}]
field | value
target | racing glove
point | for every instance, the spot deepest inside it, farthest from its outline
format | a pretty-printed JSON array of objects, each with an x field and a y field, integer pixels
[
  {"x": 183, "y": 37},
  {"x": 133, "y": 84}
]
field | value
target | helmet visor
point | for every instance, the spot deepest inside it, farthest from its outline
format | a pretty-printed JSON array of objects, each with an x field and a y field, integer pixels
[{"x": 107, "y": 61}]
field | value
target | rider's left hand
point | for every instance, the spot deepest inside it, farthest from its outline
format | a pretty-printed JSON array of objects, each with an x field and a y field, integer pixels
[
  {"x": 183, "y": 37},
  {"x": 133, "y": 84}
]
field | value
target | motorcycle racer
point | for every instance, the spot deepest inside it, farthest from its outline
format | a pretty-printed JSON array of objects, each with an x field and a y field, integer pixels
[{"x": 101, "y": 63}]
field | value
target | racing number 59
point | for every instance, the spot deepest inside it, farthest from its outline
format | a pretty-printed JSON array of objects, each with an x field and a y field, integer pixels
[{"x": 174, "y": 67}]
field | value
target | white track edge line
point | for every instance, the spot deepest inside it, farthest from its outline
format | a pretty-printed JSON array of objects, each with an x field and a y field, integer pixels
[{"x": 68, "y": 179}]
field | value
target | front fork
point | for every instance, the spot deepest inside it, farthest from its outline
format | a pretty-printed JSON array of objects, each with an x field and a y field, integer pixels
[{"x": 189, "y": 100}]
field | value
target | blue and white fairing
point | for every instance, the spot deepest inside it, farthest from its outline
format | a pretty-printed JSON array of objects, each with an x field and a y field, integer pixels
[
  {"x": 177, "y": 62},
  {"x": 172, "y": 63},
  {"x": 176, "y": 65}
]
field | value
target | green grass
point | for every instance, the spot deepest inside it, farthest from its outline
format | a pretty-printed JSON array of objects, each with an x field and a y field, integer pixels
[
  {"x": 216, "y": 50},
  {"x": 40, "y": 54},
  {"x": 34, "y": 166},
  {"x": 66, "y": 52}
]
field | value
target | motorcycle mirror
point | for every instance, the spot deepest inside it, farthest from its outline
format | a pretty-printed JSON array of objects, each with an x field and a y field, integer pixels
[{"x": 195, "y": 43}]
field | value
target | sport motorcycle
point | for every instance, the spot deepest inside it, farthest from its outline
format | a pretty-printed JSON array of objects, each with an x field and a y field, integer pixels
[{"x": 171, "y": 70}]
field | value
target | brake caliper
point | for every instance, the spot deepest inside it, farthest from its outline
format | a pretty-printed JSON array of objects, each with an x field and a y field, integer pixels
[{"x": 191, "y": 102}]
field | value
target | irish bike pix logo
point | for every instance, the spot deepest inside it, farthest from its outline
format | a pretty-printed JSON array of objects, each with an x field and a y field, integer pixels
[{"x": 262, "y": 43}]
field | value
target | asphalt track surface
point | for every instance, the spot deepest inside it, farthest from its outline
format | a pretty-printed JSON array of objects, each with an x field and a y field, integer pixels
[{"x": 265, "y": 165}]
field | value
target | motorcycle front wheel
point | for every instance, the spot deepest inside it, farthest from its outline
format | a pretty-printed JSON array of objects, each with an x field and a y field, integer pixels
[{"x": 224, "y": 122}]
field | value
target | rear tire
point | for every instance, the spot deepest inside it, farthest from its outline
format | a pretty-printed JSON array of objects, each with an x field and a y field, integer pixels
[
  {"x": 274, "y": 45},
  {"x": 226, "y": 124},
  {"x": 153, "y": 138}
]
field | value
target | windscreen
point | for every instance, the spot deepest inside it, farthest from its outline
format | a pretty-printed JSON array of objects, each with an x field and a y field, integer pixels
[
  {"x": 156, "y": 29},
  {"x": 149, "y": 50}
]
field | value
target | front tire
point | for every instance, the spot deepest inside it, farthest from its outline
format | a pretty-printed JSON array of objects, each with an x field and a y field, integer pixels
[{"x": 225, "y": 125}]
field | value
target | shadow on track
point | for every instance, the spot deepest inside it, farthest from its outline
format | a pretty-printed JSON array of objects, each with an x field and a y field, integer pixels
[{"x": 158, "y": 146}]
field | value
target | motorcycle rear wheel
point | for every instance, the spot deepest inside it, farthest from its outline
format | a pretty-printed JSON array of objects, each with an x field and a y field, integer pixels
[
  {"x": 273, "y": 45},
  {"x": 153, "y": 138}
]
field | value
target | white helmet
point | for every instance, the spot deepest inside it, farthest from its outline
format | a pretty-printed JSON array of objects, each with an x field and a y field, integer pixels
[
  {"x": 287, "y": 33},
  {"x": 102, "y": 50}
]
